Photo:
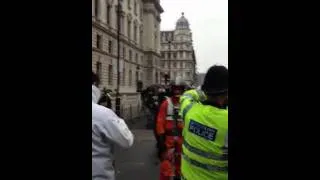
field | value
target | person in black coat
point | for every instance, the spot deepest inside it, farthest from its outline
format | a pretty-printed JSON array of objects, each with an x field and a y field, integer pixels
[{"x": 105, "y": 99}]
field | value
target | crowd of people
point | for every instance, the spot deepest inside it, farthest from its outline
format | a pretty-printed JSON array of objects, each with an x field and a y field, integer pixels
[{"x": 190, "y": 127}]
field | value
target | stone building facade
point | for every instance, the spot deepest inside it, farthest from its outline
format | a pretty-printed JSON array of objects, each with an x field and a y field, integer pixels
[
  {"x": 139, "y": 48},
  {"x": 177, "y": 52}
]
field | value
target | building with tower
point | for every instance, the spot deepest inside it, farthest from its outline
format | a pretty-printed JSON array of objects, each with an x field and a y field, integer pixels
[
  {"x": 139, "y": 48},
  {"x": 177, "y": 52}
]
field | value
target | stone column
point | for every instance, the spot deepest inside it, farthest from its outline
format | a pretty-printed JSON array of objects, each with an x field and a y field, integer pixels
[{"x": 92, "y": 9}]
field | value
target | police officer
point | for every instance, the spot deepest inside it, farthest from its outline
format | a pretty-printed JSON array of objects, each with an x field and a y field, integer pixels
[{"x": 205, "y": 133}]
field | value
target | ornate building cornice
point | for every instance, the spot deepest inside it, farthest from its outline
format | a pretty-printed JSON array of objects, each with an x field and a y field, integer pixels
[{"x": 156, "y": 4}]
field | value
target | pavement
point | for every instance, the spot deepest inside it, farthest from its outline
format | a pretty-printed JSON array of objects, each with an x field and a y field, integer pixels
[{"x": 139, "y": 161}]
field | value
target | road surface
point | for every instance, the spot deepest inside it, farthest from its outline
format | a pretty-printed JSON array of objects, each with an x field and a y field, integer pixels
[{"x": 140, "y": 161}]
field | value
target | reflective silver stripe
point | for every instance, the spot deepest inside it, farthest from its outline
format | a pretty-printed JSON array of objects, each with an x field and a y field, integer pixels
[
  {"x": 170, "y": 118},
  {"x": 201, "y": 95},
  {"x": 187, "y": 96},
  {"x": 202, "y": 153},
  {"x": 186, "y": 109},
  {"x": 203, "y": 166}
]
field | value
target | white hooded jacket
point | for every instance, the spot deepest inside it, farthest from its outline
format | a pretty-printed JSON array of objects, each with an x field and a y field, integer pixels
[{"x": 107, "y": 130}]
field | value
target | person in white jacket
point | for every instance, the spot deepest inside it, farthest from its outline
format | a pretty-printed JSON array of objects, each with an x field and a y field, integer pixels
[{"x": 108, "y": 130}]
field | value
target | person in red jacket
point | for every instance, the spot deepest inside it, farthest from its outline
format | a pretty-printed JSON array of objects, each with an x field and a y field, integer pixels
[{"x": 169, "y": 130}]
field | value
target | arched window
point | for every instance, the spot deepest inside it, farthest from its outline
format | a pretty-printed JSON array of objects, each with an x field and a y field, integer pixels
[
  {"x": 129, "y": 29},
  {"x": 129, "y": 4},
  {"x": 96, "y": 8},
  {"x": 135, "y": 7},
  {"x": 108, "y": 14},
  {"x": 141, "y": 37},
  {"x": 135, "y": 33}
]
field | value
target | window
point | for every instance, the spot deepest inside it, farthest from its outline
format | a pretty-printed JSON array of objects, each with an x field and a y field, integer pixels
[
  {"x": 188, "y": 74},
  {"x": 130, "y": 55},
  {"x": 169, "y": 55},
  {"x": 110, "y": 75},
  {"x": 129, "y": 29},
  {"x": 122, "y": 24},
  {"x": 174, "y": 55},
  {"x": 175, "y": 46},
  {"x": 137, "y": 76},
  {"x": 162, "y": 64},
  {"x": 135, "y": 33},
  {"x": 141, "y": 60},
  {"x": 124, "y": 52},
  {"x": 174, "y": 64},
  {"x": 129, "y": 4},
  {"x": 110, "y": 46},
  {"x": 123, "y": 76},
  {"x": 99, "y": 41},
  {"x": 130, "y": 78},
  {"x": 162, "y": 54},
  {"x": 96, "y": 8},
  {"x": 136, "y": 59},
  {"x": 181, "y": 65},
  {"x": 108, "y": 14},
  {"x": 181, "y": 54},
  {"x": 135, "y": 7},
  {"x": 99, "y": 69},
  {"x": 141, "y": 36},
  {"x": 155, "y": 40},
  {"x": 174, "y": 75}
]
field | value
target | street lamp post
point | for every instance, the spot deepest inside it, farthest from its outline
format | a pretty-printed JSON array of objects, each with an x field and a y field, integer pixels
[{"x": 118, "y": 59}]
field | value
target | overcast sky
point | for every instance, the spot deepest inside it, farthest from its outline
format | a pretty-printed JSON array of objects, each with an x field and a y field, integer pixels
[{"x": 209, "y": 25}]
